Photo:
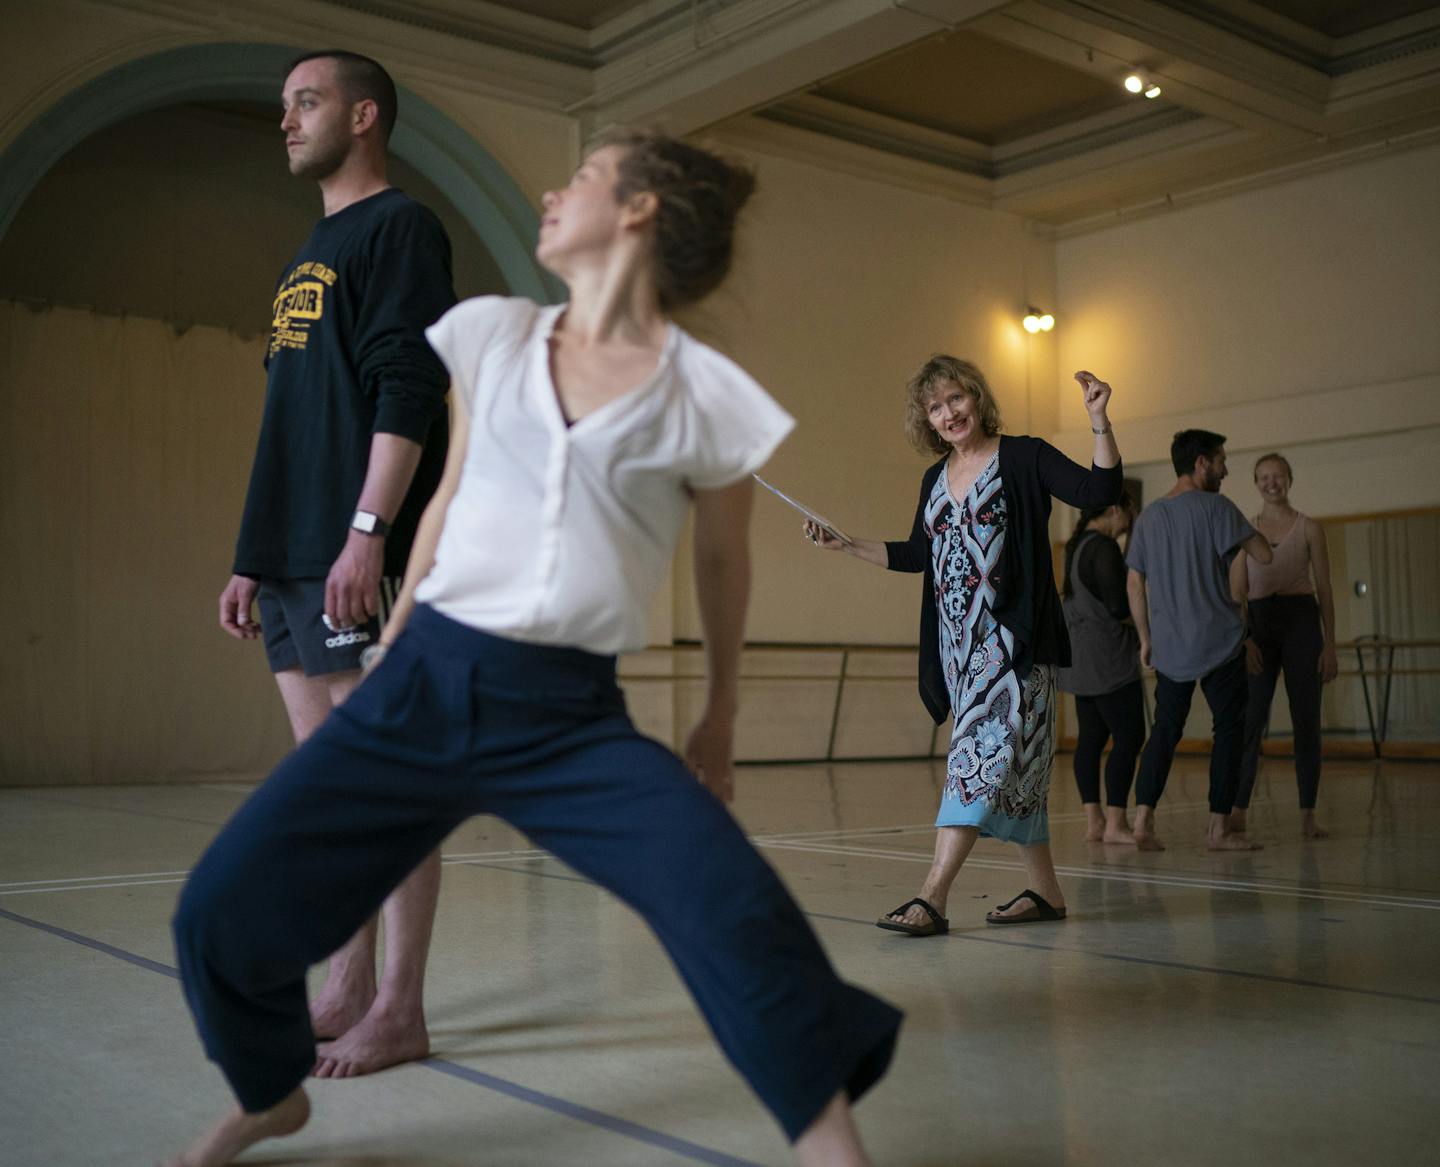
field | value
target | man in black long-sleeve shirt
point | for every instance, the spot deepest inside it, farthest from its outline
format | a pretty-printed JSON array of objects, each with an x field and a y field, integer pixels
[{"x": 351, "y": 448}]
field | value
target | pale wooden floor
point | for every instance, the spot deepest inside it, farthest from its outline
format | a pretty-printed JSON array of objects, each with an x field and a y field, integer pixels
[{"x": 1282, "y": 1007}]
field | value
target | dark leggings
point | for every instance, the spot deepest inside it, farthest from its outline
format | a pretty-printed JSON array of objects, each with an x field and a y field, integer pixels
[
  {"x": 1119, "y": 715},
  {"x": 1287, "y": 629}
]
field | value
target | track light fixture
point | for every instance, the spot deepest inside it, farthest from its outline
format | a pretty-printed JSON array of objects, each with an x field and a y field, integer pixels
[
  {"x": 1037, "y": 321},
  {"x": 1138, "y": 83}
]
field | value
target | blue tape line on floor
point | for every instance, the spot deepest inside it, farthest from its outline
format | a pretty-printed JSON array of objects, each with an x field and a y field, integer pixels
[
  {"x": 98, "y": 945},
  {"x": 598, "y": 1118}
]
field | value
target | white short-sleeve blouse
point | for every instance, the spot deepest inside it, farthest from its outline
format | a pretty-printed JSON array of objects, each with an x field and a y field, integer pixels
[{"x": 559, "y": 534}]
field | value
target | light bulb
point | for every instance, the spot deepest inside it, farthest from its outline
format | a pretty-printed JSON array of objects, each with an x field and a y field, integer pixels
[
  {"x": 1047, "y": 322},
  {"x": 1134, "y": 83},
  {"x": 1153, "y": 92},
  {"x": 1031, "y": 322}
]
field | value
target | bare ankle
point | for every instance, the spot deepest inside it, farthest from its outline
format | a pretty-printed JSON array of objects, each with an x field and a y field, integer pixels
[{"x": 831, "y": 1140}]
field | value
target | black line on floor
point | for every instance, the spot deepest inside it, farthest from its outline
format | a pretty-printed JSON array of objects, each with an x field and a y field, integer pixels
[
  {"x": 98, "y": 945},
  {"x": 1274, "y": 978},
  {"x": 551, "y": 1102}
]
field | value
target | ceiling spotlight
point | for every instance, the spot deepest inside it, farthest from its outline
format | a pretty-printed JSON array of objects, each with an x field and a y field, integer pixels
[
  {"x": 1153, "y": 92},
  {"x": 1134, "y": 83},
  {"x": 1037, "y": 321}
]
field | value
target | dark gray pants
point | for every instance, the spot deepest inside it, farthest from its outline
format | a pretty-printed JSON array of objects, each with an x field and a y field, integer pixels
[{"x": 1225, "y": 692}]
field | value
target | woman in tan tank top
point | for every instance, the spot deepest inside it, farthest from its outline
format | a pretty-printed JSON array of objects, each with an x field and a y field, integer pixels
[{"x": 1291, "y": 618}]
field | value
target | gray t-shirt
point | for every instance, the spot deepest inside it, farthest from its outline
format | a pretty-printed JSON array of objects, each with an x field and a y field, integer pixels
[{"x": 1183, "y": 546}]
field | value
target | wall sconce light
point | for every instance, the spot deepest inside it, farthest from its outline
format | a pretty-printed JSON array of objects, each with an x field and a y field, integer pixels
[
  {"x": 1138, "y": 83},
  {"x": 1037, "y": 321}
]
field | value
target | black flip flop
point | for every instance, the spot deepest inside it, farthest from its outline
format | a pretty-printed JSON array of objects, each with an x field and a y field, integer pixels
[
  {"x": 937, "y": 926},
  {"x": 1042, "y": 913}
]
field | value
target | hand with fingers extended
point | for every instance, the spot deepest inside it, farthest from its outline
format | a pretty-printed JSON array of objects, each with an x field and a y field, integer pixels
[
  {"x": 708, "y": 753},
  {"x": 1096, "y": 391},
  {"x": 237, "y": 602},
  {"x": 352, "y": 589}
]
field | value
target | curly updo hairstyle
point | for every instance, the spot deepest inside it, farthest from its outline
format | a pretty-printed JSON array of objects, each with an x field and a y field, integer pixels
[{"x": 700, "y": 196}]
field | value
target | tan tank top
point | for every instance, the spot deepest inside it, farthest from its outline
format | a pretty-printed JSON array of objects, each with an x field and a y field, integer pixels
[{"x": 1288, "y": 574}]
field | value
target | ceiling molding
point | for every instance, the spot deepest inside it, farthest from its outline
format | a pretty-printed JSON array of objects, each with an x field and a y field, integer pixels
[
  {"x": 759, "y": 135},
  {"x": 923, "y": 144}
]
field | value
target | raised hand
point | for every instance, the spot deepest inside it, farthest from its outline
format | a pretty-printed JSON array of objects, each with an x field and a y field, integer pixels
[{"x": 1097, "y": 393}]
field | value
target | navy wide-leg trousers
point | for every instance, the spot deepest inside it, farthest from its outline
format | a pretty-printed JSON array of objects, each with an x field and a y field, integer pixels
[{"x": 456, "y": 722}]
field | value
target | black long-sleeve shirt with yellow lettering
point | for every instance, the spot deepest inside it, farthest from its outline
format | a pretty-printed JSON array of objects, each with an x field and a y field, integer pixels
[{"x": 348, "y": 359}]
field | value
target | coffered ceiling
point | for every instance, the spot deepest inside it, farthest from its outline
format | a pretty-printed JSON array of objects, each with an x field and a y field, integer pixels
[{"x": 1013, "y": 104}]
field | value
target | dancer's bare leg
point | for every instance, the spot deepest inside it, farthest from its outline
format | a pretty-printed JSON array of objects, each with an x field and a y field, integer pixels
[
  {"x": 239, "y": 1130},
  {"x": 1310, "y": 828},
  {"x": 1040, "y": 877},
  {"x": 389, "y": 1017},
  {"x": 1238, "y": 820},
  {"x": 1220, "y": 837},
  {"x": 952, "y": 845},
  {"x": 349, "y": 988},
  {"x": 1145, "y": 837},
  {"x": 832, "y": 1140},
  {"x": 1094, "y": 822},
  {"x": 1117, "y": 829},
  {"x": 393, "y": 1029}
]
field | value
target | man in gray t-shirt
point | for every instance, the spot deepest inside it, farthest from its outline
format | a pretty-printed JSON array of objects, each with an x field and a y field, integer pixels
[{"x": 1191, "y": 628}]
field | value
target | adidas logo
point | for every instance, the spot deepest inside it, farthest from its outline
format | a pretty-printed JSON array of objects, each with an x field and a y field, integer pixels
[{"x": 359, "y": 636}]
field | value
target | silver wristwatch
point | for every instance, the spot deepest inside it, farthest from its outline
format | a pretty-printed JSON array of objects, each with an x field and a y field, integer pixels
[{"x": 369, "y": 523}]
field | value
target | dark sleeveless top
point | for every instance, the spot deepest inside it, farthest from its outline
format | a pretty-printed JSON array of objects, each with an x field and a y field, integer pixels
[{"x": 1104, "y": 651}]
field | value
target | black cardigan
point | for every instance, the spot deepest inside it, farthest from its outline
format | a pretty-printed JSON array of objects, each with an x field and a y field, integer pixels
[{"x": 1031, "y": 470}]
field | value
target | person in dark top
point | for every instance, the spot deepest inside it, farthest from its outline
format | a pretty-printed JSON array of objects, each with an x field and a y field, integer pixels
[
  {"x": 1104, "y": 675},
  {"x": 991, "y": 630},
  {"x": 351, "y": 447}
]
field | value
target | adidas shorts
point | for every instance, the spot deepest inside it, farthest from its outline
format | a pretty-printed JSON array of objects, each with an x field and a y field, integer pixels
[{"x": 296, "y": 636}]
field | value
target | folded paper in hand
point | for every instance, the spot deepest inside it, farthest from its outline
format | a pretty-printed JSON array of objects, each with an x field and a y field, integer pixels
[{"x": 819, "y": 520}]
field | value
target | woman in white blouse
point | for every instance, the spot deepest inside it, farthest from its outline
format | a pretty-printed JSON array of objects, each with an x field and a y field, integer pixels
[{"x": 582, "y": 434}]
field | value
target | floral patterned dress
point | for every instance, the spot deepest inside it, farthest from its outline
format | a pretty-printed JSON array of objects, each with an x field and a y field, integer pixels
[{"x": 1002, "y": 745}]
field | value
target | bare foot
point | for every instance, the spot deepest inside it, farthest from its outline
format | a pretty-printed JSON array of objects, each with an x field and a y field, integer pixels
[
  {"x": 1236, "y": 822},
  {"x": 1094, "y": 823},
  {"x": 336, "y": 1011},
  {"x": 379, "y": 1041},
  {"x": 239, "y": 1130},
  {"x": 1145, "y": 837},
  {"x": 1310, "y": 828},
  {"x": 1231, "y": 842},
  {"x": 1117, "y": 830}
]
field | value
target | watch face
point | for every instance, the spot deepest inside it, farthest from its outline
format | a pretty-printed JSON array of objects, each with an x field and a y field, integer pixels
[{"x": 363, "y": 521}]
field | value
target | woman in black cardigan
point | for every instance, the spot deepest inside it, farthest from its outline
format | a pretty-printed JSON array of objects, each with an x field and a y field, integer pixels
[{"x": 991, "y": 629}]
